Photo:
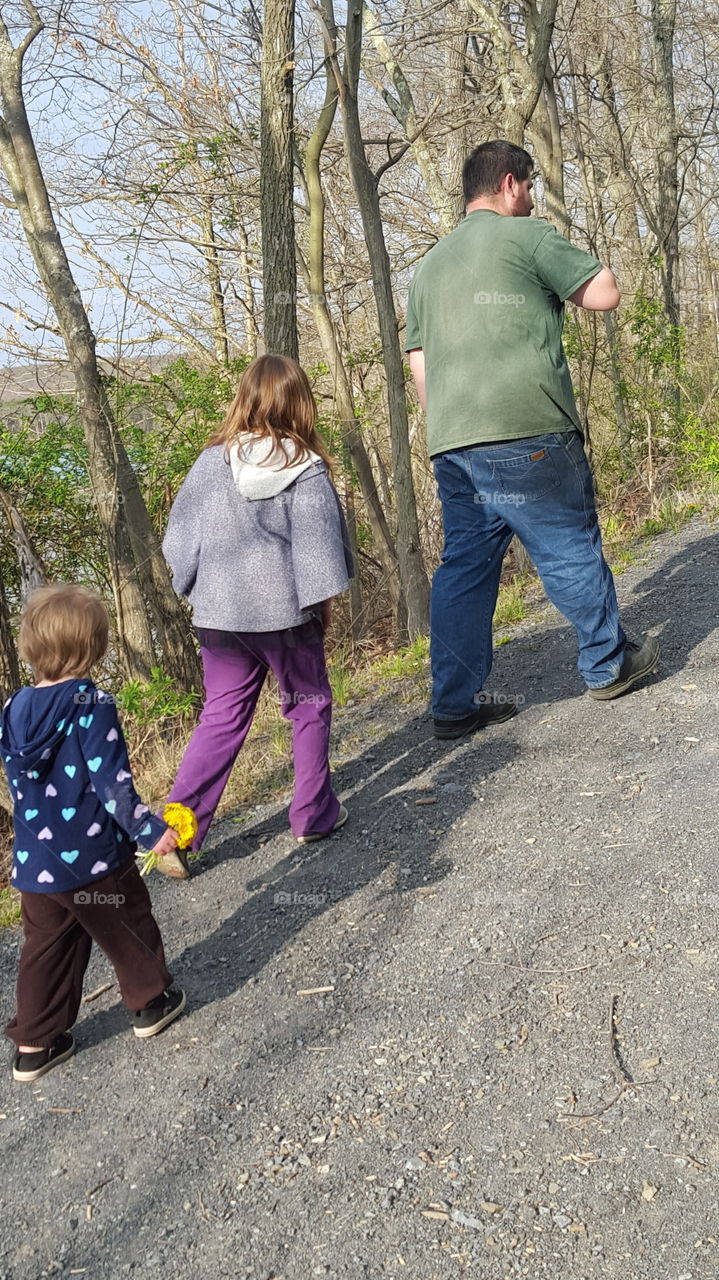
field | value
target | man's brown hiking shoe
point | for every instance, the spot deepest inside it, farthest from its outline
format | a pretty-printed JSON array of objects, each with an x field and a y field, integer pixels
[{"x": 639, "y": 660}]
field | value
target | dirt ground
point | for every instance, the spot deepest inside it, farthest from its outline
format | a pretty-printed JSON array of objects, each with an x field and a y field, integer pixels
[{"x": 474, "y": 1033}]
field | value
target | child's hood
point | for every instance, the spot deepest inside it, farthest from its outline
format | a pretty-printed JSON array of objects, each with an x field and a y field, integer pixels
[
  {"x": 259, "y": 470},
  {"x": 35, "y": 721}
]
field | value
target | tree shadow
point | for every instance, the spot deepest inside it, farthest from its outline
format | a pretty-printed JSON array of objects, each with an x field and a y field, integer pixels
[
  {"x": 677, "y": 602},
  {"x": 387, "y": 831}
]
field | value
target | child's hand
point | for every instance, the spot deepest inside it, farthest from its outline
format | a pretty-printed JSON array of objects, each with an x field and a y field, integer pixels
[{"x": 166, "y": 843}]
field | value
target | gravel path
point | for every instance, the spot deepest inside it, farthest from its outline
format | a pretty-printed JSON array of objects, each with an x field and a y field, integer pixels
[{"x": 510, "y": 1067}]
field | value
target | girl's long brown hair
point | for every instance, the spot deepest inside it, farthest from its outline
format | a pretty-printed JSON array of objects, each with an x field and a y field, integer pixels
[{"x": 274, "y": 401}]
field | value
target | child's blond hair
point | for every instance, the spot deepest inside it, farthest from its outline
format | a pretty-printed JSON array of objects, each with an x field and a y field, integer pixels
[{"x": 63, "y": 631}]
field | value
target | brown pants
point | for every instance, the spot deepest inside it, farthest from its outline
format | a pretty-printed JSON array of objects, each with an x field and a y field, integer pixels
[{"x": 60, "y": 928}]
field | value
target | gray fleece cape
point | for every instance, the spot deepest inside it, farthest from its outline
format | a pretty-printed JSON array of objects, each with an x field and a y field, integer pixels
[{"x": 254, "y": 545}]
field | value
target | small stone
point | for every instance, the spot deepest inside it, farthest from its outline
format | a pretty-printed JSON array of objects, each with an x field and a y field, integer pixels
[
  {"x": 561, "y": 1220},
  {"x": 466, "y": 1220}
]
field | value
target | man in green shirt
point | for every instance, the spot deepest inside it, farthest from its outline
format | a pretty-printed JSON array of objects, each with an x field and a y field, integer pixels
[{"x": 484, "y": 336}]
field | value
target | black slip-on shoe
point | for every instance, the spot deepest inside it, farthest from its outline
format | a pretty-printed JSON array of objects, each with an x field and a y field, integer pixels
[
  {"x": 639, "y": 660},
  {"x": 160, "y": 1013},
  {"x": 488, "y": 712},
  {"x": 30, "y": 1066}
]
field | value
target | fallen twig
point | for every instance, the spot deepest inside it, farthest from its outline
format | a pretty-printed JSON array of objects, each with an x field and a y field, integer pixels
[
  {"x": 500, "y": 964},
  {"x": 592, "y": 1115},
  {"x": 92, "y": 995},
  {"x": 626, "y": 1083},
  {"x": 672, "y": 1155},
  {"x": 102, "y": 1184},
  {"x": 620, "y": 1070}
]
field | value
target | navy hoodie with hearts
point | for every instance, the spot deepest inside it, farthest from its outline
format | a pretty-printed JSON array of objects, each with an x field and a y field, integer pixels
[{"x": 77, "y": 815}]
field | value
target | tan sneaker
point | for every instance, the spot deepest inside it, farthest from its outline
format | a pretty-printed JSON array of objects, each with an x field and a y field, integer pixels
[{"x": 342, "y": 817}]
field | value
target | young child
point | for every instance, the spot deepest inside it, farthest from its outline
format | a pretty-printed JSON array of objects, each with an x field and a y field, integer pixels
[
  {"x": 76, "y": 818},
  {"x": 258, "y": 544}
]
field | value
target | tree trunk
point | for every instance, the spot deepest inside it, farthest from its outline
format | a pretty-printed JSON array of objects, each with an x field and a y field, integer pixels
[
  {"x": 351, "y": 436},
  {"x": 214, "y": 277},
  {"x": 248, "y": 301},
  {"x": 521, "y": 72},
  {"x": 597, "y": 233},
  {"x": 664, "y": 127},
  {"x": 10, "y": 673},
  {"x": 456, "y": 143},
  {"x": 546, "y": 134},
  {"x": 279, "y": 273},
  {"x": 411, "y": 569},
  {"x": 132, "y": 548},
  {"x": 356, "y": 609},
  {"x": 405, "y": 113},
  {"x": 33, "y": 573}
]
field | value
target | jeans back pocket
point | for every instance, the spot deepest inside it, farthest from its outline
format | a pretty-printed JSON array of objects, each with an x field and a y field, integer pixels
[{"x": 528, "y": 477}]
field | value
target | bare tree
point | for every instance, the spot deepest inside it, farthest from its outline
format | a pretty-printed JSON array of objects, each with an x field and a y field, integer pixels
[
  {"x": 665, "y": 124},
  {"x": 134, "y": 556},
  {"x": 365, "y": 185},
  {"x": 327, "y": 332},
  {"x": 279, "y": 279}
]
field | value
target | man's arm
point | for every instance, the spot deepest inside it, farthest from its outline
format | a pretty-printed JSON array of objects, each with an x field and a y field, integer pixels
[
  {"x": 416, "y": 364},
  {"x": 598, "y": 294}
]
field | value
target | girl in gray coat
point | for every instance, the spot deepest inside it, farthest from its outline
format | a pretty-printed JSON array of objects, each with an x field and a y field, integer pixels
[{"x": 257, "y": 543}]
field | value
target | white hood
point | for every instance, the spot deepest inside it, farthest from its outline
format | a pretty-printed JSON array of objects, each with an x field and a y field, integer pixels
[{"x": 258, "y": 468}]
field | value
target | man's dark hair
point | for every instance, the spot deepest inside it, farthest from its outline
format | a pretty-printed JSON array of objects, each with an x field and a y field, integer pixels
[{"x": 489, "y": 163}]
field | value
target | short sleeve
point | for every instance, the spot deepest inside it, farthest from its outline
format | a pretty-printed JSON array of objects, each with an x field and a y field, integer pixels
[
  {"x": 413, "y": 337},
  {"x": 561, "y": 266}
]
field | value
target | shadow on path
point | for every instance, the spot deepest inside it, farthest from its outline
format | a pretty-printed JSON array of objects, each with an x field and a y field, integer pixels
[
  {"x": 679, "y": 603},
  {"x": 386, "y": 829}
]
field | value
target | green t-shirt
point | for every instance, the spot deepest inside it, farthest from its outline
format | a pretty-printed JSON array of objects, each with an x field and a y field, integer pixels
[{"x": 487, "y": 307}]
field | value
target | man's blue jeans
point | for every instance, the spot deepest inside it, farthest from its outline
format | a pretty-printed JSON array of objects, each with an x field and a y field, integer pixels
[{"x": 541, "y": 490}]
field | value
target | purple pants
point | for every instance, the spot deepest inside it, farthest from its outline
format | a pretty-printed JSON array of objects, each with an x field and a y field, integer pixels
[{"x": 235, "y": 666}]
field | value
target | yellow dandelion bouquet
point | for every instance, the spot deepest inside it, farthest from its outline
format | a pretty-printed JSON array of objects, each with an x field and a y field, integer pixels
[{"x": 184, "y": 824}]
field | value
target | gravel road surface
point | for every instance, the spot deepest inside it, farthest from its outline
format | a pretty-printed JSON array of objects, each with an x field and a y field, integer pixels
[{"x": 476, "y": 1033}]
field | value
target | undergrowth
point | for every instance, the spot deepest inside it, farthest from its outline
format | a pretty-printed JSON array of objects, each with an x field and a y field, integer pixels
[{"x": 158, "y": 720}]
